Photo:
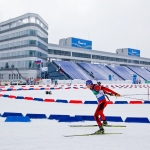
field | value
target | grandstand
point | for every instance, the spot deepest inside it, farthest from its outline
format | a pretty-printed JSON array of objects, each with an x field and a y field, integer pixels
[
  {"x": 82, "y": 70},
  {"x": 73, "y": 58},
  {"x": 78, "y": 63}
]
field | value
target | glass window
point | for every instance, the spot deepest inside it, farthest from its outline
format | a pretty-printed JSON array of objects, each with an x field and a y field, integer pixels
[
  {"x": 6, "y": 65},
  {"x": 10, "y": 35},
  {"x": 12, "y": 25},
  {"x": 21, "y": 33},
  {"x": 25, "y": 20},
  {"x": 37, "y": 21},
  {"x": 32, "y": 42},
  {"x": 22, "y": 64},
  {"x": 18, "y": 23},
  {"x": 8, "y": 54},
  {"x": 5, "y": 27},
  {"x": 32, "y": 19},
  {"x": 83, "y": 55},
  {"x": 41, "y": 24},
  {"x": 30, "y": 63},
  {"x": 13, "y": 53},
  {"x": 32, "y": 32},
  {"x": 18, "y": 64}
]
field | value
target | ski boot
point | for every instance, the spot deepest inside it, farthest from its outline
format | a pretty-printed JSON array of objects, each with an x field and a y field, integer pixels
[
  {"x": 105, "y": 123},
  {"x": 100, "y": 131}
]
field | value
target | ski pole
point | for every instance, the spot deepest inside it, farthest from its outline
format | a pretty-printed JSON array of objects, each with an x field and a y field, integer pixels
[
  {"x": 91, "y": 73},
  {"x": 133, "y": 94},
  {"x": 134, "y": 98}
]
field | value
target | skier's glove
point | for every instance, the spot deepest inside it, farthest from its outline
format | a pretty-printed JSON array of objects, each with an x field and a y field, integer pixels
[{"x": 117, "y": 95}]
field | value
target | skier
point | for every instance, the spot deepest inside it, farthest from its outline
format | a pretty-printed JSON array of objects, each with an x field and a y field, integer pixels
[{"x": 99, "y": 91}]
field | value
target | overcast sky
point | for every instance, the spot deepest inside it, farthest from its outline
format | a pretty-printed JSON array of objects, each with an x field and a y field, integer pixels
[{"x": 109, "y": 24}]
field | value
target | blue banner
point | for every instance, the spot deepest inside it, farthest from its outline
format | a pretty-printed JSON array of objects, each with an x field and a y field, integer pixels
[
  {"x": 80, "y": 43},
  {"x": 133, "y": 52}
]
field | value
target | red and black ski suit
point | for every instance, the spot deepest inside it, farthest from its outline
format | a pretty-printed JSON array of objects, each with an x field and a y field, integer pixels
[{"x": 99, "y": 92}]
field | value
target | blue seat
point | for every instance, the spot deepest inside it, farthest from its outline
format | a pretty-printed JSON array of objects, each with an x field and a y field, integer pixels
[{"x": 73, "y": 70}]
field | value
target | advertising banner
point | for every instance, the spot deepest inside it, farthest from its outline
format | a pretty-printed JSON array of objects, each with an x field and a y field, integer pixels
[
  {"x": 133, "y": 52},
  {"x": 80, "y": 43}
]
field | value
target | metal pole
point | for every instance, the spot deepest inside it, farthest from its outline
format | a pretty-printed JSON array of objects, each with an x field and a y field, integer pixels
[
  {"x": 40, "y": 73},
  {"x": 148, "y": 91}
]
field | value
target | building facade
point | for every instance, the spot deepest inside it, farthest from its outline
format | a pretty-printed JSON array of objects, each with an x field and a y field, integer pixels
[
  {"x": 23, "y": 40},
  {"x": 67, "y": 53}
]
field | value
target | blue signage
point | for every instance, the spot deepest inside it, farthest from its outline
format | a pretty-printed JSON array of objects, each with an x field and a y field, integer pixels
[
  {"x": 133, "y": 52},
  {"x": 134, "y": 79},
  {"x": 80, "y": 43}
]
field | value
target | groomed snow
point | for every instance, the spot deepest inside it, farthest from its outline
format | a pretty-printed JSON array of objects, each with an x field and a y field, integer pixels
[{"x": 44, "y": 134}]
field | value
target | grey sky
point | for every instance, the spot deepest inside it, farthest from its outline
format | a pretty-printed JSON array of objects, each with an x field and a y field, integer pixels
[{"x": 110, "y": 24}]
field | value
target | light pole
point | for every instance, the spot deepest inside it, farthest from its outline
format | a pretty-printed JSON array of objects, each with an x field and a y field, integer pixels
[{"x": 39, "y": 62}]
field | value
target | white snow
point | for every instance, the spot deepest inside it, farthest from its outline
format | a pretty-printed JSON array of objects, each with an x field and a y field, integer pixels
[{"x": 44, "y": 134}]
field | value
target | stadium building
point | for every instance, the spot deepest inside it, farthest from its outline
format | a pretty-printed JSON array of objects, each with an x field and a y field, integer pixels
[{"x": 24, "y": 39}]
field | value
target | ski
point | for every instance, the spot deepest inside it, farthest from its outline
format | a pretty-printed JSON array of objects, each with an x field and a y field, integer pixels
[
  {"x": 96, "y": 126},
  {"x": 92, "y": 134}
]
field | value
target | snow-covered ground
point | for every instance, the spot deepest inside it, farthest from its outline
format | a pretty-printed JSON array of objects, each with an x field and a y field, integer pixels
[{"x": 44, "y": 134}]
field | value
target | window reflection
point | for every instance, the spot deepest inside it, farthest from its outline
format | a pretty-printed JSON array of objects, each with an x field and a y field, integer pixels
[{"x": 24, "y": 21}]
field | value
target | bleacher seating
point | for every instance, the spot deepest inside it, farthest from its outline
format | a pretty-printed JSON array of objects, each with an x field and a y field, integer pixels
[
  {"x": 88, "y": 67},
  {"x": 73, "y": 70},
  {"x": 99, "y": 71},
  {"x": 124, "y": 72},
  {"x": 105, "y": 71},
  {"x": 142, "y": 72},
  {"x": 63, "y": 70},
  {"x": 54, "y": 73}
]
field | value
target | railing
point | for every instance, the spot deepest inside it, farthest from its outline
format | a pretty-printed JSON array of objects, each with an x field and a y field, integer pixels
[
  {"x": 24, "y": 68},
  {"x": 22, "y": 56}
]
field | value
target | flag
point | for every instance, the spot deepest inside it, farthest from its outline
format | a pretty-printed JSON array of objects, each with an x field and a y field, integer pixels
[{"x": 38, "y": 62}]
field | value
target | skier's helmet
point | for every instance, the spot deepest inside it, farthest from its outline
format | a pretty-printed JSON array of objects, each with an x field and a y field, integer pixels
[{"x": 89, "y": 82}]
